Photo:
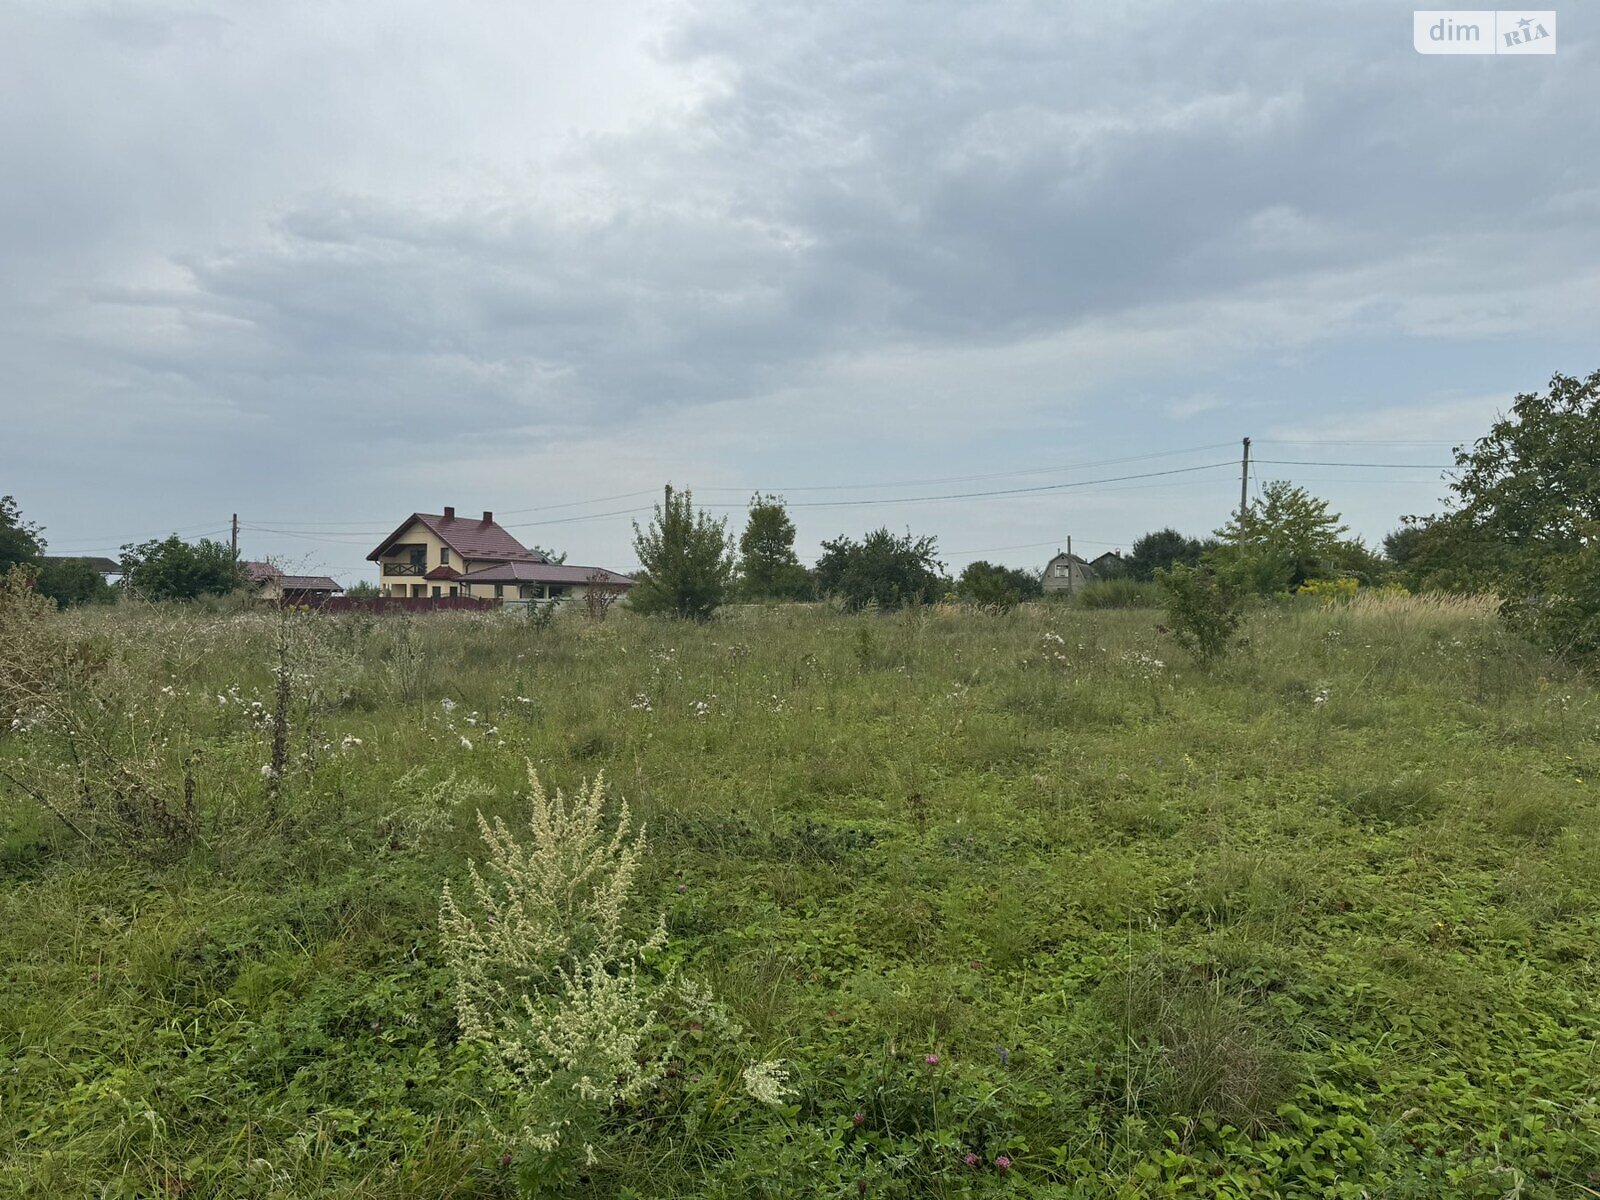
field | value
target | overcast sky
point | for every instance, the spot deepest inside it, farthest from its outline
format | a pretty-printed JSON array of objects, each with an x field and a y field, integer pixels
[{"x": 327, "y": 263}]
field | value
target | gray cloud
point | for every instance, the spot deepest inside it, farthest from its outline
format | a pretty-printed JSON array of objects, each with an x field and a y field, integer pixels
[{"x": 325, "y": 241}]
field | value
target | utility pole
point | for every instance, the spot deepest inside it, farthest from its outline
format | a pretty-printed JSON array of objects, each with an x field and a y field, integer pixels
[
  {"x": 1069, "y": 564},
  {"x": 1244, "y": 488},
  {"x": 235, "y": 539}
]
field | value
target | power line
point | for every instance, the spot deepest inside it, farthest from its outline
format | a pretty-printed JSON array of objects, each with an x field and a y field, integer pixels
[
  {"x": 1353, "y": 442},
  {"x": 1305, "y": 462},
  {"x": 310, "y": 526}
]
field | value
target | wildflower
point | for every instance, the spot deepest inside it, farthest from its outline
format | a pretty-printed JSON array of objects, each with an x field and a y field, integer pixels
[
  {"x": 267, "y": 772},
  {"x": 1321, "y": 697},
  {"x": 859, "y": 1119},
  {"x": 505, "y": 1160},
  {"x": 767, "y": 1082},
  {"x": 1002, "y": 1164},
  {"x": 1005, "y": 1055},
  {"x": 932, "y": 1060},
  {"x": 971, "y": 1160},
  {"x": 448, "y": 705},
  {"x": 466, "y": 743}
]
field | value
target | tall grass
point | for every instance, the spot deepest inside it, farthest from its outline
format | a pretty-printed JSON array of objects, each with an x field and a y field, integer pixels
[{"x": 1026, "y": 886}]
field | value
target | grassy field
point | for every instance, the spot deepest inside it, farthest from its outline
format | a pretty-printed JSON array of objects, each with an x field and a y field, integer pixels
[{"x": 1322, "y": 921}]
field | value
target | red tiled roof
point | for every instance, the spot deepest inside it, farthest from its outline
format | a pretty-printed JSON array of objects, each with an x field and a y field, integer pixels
[
  {"x": 443, "y": 572},
  {"x": 546, "y": 572},
  {"x": 470, "y": 537},
  {"x": 260, "y": 572}
]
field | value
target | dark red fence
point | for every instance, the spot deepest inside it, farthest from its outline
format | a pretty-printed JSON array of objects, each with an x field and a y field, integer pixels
[{"x": 396, "y": 604}]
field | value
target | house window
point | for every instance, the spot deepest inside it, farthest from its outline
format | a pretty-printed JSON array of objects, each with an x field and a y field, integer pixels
[
  {"x": 499, "y": 591},
  {"x": 419, "y": 590},
  {"x": 444, "y": 556},
  {"x": 436, "y": 591},
  {"x": 454, "y": 591}
]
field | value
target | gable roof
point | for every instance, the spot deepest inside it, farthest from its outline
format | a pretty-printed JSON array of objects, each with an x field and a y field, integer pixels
[
  {"x": 470, "y": 537},
  {"x": 308, "y": 583},
  {"x": 543, "y": 572},
  {"x": 260, "y": 573}
]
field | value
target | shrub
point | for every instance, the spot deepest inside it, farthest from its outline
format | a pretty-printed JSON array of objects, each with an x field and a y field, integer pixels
[
  {"x": 880, "y": 570},
  {"x": 1001, "y": 588},
  {"x": 1204, "y": 610},
  {"x": 1329, "y": 591},
  {"x": 548, "y": 973}
]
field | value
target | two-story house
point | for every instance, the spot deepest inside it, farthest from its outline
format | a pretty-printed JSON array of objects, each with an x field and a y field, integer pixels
[
  {"x": 440, "y": 554},
  {"x": 1067, "y": 572}
]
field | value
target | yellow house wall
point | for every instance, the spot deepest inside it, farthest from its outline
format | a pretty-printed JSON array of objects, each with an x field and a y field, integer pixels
[{"x": 418, "y": 534}]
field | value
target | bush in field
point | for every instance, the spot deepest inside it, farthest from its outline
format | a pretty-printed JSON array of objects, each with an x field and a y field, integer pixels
[
  {"x": 1329, "y": 591},
  {"x": 881, "y": 569},
  {"x": 549, "y": 972},
  {"x": 173, "y": 569},
  {"x": 1203, "y": 609},
  {"x": 1117, "y": 593},
  {"x": 993, "y": 586},
  {"x": 687, "y": 563}
]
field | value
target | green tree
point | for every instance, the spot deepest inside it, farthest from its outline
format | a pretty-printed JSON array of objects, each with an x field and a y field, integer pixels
[
  {"x": 173, "y": 569},
  {"x": 768, "y": 568},
  {"x": 994, "y": 586},
  {"x": 1161, "y": 551},
  {"x": 687, "y": 563},
  {"x": 74, "y": 581},
  {"x": 1526, "y": 512},
  {"x": 21, "y": 542},
  {"x": 1288, "y": 536},
  {"x": 363, "y": 589},
  {"x": 880, "y": 569}
]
